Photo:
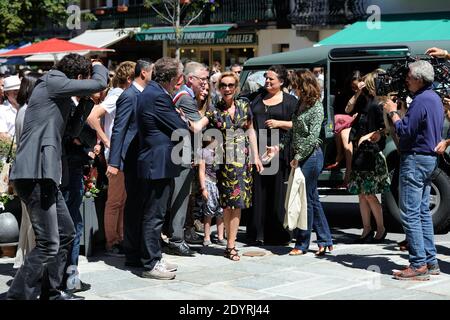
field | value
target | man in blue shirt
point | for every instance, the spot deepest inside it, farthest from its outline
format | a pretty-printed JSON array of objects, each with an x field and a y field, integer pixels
[{"x": 419, "y": 132}]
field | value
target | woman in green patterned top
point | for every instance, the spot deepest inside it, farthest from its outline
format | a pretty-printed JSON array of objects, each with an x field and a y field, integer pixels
[
  {"x": 306, "y": 126},
  {"x": 233, "y": 118}
]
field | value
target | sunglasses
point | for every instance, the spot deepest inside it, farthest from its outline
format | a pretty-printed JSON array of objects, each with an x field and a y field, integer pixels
[{"x": 227, "y": 85}]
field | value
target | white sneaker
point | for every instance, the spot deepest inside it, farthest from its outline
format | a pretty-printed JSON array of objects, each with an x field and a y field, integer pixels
[
  {"x": 159, "y": 272},
  {"x": 171, "y": 267}
]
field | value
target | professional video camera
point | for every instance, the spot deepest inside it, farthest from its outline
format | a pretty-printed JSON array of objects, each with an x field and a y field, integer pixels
[{"x": 394, "y": 79}]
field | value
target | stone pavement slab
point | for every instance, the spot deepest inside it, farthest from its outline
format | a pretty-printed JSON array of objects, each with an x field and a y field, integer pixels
[{"x": 350, "y": 272}]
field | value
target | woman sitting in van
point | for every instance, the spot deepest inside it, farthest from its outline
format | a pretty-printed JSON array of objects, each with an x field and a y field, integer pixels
[
  {"x": 343, "y": 123},
  {"x": 369, "y": 174}
]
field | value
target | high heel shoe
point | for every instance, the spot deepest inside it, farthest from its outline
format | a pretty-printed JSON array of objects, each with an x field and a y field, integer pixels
[
  {"x": 332, "y": 166},
  {"x": 368, "y": 237},
  {"x": 381, "y": 239},
  {"x": 232, "y": 254},
  {"x": 323, "y": 250},
  {"x": 403, "y": 245}
]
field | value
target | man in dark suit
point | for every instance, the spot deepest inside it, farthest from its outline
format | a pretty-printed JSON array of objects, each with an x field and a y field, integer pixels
[
  {"x": 196, "y": 76},
  {"x": 157, "y": 119},
  {"x": 37, "y": 174},
  {"x": 123, "y": 157}
]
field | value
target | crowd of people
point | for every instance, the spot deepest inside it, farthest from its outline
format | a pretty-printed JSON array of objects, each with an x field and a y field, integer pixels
[{"x": 180, "y": 143}]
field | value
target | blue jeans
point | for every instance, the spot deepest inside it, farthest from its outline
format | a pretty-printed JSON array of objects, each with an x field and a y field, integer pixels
[
  {"x": 73, "y": 195},
  {"x": 414, "y": 200},
  {"x": 311, "y": 168}
]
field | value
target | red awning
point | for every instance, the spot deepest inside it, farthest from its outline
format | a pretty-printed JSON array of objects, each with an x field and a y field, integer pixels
[{"x": 52, "y": 46}]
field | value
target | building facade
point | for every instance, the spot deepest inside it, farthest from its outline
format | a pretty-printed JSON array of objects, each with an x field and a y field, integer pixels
[{"x": 260, "y": 27}]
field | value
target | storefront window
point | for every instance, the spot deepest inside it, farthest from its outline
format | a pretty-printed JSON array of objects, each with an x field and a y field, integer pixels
[
  {"x": 225, "y": 56},
  {"x": 204, "y": 57},
  {"x": 238, "y": 55},
  {"x": 188, "y": 54}
]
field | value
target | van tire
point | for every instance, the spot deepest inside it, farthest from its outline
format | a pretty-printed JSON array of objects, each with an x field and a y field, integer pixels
[{"x": 441, "y": 216}]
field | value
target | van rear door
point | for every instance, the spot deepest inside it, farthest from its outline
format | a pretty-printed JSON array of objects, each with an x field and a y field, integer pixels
[{"x": 366, "y": 58}]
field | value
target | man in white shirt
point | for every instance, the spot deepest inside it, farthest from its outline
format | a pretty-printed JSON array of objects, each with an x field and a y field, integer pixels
[
  {"x": 124, "y": 75},
  {"x": 8, "y": 109}
]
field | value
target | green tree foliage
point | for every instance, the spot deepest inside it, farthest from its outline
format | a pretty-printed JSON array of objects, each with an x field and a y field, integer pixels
[
  {"x": 179, "y": 14},
  {"x": 19, "y": 17}
]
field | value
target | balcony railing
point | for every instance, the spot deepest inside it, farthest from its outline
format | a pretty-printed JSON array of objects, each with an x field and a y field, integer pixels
[
  {"x": 241, "y": 12},
  {"x": 327, "y": 12}
]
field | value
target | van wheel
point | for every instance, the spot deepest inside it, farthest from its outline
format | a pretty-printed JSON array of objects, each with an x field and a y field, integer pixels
[{"x": 439, "y": 200}]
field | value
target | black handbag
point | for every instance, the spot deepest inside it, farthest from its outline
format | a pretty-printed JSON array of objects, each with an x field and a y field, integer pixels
[{"x": 364, "y": 156}]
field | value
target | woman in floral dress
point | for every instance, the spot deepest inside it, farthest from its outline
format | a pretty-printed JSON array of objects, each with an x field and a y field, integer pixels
[{"x": 233, "y": 118}]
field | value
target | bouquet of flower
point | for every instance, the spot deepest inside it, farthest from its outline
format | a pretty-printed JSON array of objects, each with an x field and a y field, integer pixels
[{"x": 90, "y": 189}]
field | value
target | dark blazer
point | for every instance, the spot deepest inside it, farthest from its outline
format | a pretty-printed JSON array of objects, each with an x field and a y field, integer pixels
[
  {"x": 76, "y": 156},
  {"x": 40, "y": 149},
  {"x": 157, "y": 119},
  {"x": 125, "y": 128}
]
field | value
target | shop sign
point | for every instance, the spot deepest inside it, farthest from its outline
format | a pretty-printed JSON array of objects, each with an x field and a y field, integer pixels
[
  {"x": 235, "y": 38},
  {"x": 187, "y": 36}
]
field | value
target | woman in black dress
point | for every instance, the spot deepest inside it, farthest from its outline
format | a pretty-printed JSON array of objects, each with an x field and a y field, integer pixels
[
  {"x": 369, "y": 174},
  {"x": 272, "y": 110}
]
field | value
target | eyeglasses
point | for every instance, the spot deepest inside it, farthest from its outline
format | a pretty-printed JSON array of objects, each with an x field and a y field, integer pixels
[
  {"x": 227, "y": 85},
  {"x": 201, "y": 79}
]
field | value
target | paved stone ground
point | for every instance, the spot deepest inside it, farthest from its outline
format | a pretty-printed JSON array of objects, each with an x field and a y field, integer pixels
[{"x": 351, "y": 271}]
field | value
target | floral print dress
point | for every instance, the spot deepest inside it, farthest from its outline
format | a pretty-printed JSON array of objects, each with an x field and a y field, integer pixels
[
  {"x": 234, "y": 177},
  {"x": 370, "y": 118}
]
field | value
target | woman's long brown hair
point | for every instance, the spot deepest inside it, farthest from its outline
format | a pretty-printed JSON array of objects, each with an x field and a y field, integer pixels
[{"x": 307, "y": 87}]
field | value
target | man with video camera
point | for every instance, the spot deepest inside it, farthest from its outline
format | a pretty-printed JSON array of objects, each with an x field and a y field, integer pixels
[
  {"x": 419, "y": 132},
  {"x": 443, "y": 54}
]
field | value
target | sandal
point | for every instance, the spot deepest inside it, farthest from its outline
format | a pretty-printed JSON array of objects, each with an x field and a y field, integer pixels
[
  {"x": 323, "y": 250},
  {"x": 232, "y": 254},
  {"x": 296, "y": 252}
]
